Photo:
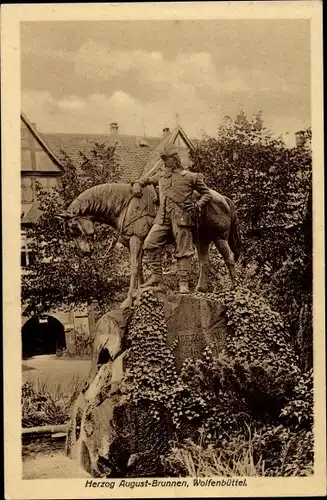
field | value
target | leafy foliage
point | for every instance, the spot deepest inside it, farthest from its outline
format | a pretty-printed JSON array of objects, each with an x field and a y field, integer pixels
[
  {"x": 254, "y": 383},
  {"x": 271, "y": 186},
  {"x": 267, "y": 451},
  {"x": 82, "y": 347},
  {"x": 151, "y": 375},
  {"x": 299, "y": 409},
  {"x": 44, "y": 406},
  {"x": 267, "y": 181},
  {"x": 254, "y": 375},
  {"x": 196, "y": 460},
  {"x": 59, "y": 276}
]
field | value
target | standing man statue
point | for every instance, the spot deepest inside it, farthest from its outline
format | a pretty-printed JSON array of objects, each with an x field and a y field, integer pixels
[{"x": 176, "y": 215}]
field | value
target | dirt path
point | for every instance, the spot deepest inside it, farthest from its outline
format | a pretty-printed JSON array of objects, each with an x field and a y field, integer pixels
[
  {"x": 46, "y": 459},
  {"x": 51, "y": 465}
]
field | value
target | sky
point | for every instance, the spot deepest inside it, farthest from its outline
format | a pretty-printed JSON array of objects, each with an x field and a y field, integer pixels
[{"x": 147, "y": 75}]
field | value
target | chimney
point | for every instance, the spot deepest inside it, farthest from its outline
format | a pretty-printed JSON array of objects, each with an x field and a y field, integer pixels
[
  {"x": 113, "y": 128},
  {"x": 34, "y": 126},
  {"x": 299, "y": 138},
  {"x": 165, "y": 132}
]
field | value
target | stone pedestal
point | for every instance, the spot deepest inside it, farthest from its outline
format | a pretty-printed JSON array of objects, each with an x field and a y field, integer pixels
[
  {"x": 193, "y": 324},
  {"x": 109, "y": 435}
]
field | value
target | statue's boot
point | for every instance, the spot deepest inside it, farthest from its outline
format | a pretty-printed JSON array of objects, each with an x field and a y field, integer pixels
[
  {"x": 183, "y": 269},
  {"x": 155, "y": 265}
]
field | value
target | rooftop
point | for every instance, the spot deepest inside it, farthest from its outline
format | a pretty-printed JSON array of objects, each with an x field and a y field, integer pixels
[
  {"x": 135, "y": 154},
  {"x": 132, "y": 152}
]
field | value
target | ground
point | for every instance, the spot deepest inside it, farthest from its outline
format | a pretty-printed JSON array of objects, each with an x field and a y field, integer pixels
[
  {"x": 48, "y": 368},
  {"x": 47, "y": 460}
]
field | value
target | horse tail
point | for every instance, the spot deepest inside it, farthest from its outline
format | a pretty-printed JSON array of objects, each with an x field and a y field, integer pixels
[{"x": 234, "y": 238}]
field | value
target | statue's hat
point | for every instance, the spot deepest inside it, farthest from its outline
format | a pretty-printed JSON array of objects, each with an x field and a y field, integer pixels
[{"x": 169, "y": 150}]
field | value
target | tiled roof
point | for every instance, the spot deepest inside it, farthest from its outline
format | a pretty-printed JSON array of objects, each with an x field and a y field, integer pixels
[{"x": 131, "y": 154}]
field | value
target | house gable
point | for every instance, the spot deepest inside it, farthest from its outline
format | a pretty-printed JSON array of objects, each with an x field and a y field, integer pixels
[
  {"x": 36, "y": 156},
  {"x": 39, "y": 165},
  {"x": 179, "y": 139}
]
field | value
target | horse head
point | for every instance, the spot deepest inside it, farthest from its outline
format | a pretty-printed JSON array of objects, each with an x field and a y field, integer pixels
[{"x": 81, "y": 229}]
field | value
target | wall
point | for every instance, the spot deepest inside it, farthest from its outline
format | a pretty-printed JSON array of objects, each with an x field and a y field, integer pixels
[
  {"x": 183, "y": 151},
  {"x": 36, "y": 167}
]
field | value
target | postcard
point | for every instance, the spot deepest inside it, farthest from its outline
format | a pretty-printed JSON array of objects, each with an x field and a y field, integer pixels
[{"x": 163, "y": 250}]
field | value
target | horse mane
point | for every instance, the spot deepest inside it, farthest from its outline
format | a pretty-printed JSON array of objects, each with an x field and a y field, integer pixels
[{"x": 103, "y": 200}]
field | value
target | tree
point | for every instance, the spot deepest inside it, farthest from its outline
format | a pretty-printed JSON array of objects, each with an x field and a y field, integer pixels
[
  {"x": 271, "y": 186},
  {"x": 58, "y": 276}
]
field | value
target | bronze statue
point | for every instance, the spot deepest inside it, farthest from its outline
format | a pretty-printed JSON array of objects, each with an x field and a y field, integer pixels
[
  {"x": 133, "y": 216},
  {"x": 176, "y": 215}
]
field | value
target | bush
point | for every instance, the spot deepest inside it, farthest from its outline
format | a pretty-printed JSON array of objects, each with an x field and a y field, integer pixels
[
  {"x": 285, "y": 451},
  {"x": 254, "y": 375},
  {"x": 83, "y": 345},
  {"x": 255, "y": 384},
  {"x": 298, "y": 411},
  {"x": 271, "y": 186},
  {"x": 270, "y": 451},
  {"x": 196, "y": 460},
  {"x": 59, "y": 276},
  {"x": 42, "y": 405}
]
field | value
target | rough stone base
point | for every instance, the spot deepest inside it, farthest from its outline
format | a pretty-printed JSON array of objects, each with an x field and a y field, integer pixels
[{"x": 109, "y": 436}]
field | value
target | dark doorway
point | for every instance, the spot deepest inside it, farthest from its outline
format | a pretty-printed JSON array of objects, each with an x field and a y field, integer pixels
[{"x": 42, "y": 336}]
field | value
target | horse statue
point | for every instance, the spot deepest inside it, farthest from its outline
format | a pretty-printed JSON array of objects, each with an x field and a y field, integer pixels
[{"x": 115, "y": 205}]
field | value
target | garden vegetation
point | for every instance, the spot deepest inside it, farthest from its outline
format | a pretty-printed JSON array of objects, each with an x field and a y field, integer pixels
[{"x": 249, "y": 411}]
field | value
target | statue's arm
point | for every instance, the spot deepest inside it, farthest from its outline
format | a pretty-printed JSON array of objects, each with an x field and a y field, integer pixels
[
  {"x": 144, "y": 181},
  {"x": 203, "y": 190}
]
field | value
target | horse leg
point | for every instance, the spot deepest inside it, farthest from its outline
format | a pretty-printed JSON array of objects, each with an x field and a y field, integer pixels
[
  {"x": 228, "y": 256},
  {"x": 135, "y": 247},
  {"x": 140, "y": 277},
  {"x": 203, "y": 255}
]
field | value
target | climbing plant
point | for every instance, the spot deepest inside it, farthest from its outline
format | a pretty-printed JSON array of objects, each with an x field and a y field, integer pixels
[{"x": 255, "y": 381}]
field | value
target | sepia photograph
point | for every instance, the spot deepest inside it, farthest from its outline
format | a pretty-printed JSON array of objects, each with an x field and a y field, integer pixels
[{"x": 166, "y": 177}]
